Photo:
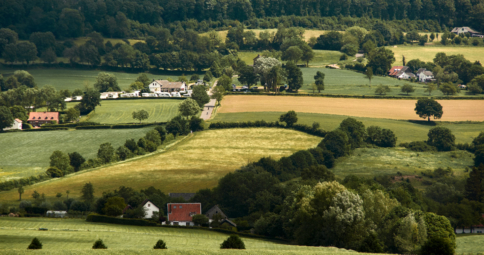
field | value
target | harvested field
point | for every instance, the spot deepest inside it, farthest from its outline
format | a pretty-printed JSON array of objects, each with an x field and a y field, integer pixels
[
  {"x": 427, "y": 53},
  {"x": 454, "y": 110}
]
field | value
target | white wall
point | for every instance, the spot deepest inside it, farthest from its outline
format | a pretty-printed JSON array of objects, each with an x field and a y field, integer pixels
[{"x": 149, "y": 209}]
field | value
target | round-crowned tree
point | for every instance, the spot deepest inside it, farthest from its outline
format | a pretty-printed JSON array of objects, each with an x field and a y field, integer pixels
[
  {"x": 425, "y": 108},
  {"x": 35, "y": 244},
  {"x": 290, "y": 118},
  {"x": 442, "y": 138},
  {"x": 54, "y": 172},
  {"x": 99, "y": 244},
  {"x": 160, "y": 245},
  {"x": 233, "y": 242}
]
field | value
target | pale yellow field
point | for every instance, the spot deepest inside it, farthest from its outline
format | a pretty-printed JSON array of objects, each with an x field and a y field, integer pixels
[
  {"x": 454, "y": 110},
  {"x": 307, "y": 34},
  {"x": 427, "y": 53},
  {"x": 197, "y": 162}
]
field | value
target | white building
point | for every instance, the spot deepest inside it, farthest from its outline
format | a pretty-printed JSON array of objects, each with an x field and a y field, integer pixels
[
  {"x": 150, "y": 208},
  {"x": 168, "y": 86},
  {"x": 56, "y": 214},
  {"x": 133, "y": 94},
  {"x": 425, "y": 76},
  {"x": 17, "y": 125},
  {"x": 107, "y": 95}
]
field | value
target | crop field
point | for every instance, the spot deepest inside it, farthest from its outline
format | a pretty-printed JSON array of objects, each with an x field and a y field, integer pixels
[
  {"x": 406, "y": 131},
  {"x": 321, "y": 57},
  {"x": 77, "y": 237},
  {"x": 454, "y": 110},
  {"x": 368, "y": 162},
  {"x": 77, "y": 79},
  {"x": 307, "y": 33},
  {"x": 27, "y": 153},
  {"x": 470, "y": 244},
  {"x": 197, "y": 162},
  {"x": 120, "y": 111},
  {"x": 427, "y": 53}
]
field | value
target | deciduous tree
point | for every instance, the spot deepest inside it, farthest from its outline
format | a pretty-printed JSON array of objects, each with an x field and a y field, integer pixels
[
  {"x": 189, "y": 107},
  {"x": 425, "y": 108},
  {"x": 290, "y": 118},
  {"x": 141, "y": 115}
]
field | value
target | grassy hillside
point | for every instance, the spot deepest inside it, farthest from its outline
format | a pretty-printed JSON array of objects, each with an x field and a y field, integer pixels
[
  {"x": 470, "y": 244},
  {"x": 406, "y": 131},
  {"x": 427, "y": 53},
  {"x": 197, "y": 162},
  {"x": 121, "y": 111},
  {"x": 28, "y": 152},
  {"x": 77, "y": 237}
]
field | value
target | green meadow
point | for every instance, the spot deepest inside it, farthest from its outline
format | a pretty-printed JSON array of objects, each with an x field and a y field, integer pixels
[
  {"x": 406, "y": 131},
  {"x": 27, "y": 153},
  {"x": 75, "y": 236}
]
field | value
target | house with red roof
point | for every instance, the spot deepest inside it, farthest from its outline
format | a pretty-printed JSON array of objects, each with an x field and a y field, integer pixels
[
  {"x": 40, "y": 118},
  {"x": 472, "y": 229},
  {"x": 181, "y": 213}
]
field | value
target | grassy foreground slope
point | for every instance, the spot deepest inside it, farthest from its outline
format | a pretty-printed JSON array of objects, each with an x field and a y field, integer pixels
[
  {"x": 27, "y": 153},
  {"x": 470, "y": 244},
  {"x": 197, "y": 162},
  {"x": 121, "y": 111},
  {"x": 406, "y": 131},
  {"x": 77, "y": 237}
]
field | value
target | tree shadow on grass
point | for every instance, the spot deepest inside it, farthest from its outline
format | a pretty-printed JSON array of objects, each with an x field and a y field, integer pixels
[{"x": 423, "y": 122}]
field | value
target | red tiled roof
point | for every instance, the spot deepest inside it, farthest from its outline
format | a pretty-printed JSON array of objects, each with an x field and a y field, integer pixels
[
  {"x": 395, "y": 70},
  {"x": 45, "y": 116},
  {"x": 183, "y": 211}
]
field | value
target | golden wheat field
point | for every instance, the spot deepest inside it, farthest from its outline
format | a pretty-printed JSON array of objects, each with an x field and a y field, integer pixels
[
  {"x": 197, "y": 162},
  {"x": 454, "y": 110}
]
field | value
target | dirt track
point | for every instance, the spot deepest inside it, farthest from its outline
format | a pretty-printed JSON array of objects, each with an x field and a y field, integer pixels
[{"x": 454, "y": 110}]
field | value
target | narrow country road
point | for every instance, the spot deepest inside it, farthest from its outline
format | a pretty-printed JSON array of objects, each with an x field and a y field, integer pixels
[{"x": 208, "y": 107}]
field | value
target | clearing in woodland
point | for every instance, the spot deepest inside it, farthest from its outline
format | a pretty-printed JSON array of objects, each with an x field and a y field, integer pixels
[
  {"x": 77, "y": 237},
  {"x": 427, "y": 53},
  {"x": 121, "y": 111},
  {"x": 197, "y": 162},
  {"x": 454, "y": 110}
]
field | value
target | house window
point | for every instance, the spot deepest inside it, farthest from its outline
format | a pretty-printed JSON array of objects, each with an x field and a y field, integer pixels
[
  {"x": 174, "y": 206},
  {"x": 180, "y": 207},
  {"x": 148, "y": 205}
]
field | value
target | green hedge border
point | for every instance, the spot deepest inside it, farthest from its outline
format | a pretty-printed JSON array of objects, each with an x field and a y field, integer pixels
[{"x": 356, "y": 96}]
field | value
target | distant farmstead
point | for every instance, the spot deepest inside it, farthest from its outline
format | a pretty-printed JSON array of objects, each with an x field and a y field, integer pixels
[
  {"x": 150, "y": 209},
  {"x": 463, "y": 30},
  {"x": 40, "y": 118},
  {"x": 181, "y": 213},
  {"x": 167, "y": 86}
]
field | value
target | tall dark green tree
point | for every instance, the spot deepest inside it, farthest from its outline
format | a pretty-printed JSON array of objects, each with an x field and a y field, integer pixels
[
  {"x": 319, "y": 81},
  {"x": 6, "y": 118},
  {"x": 474, "y": 189},
  {"x": 426, "y": 108},
  {"x": 380, "y": 60},
  {"x": 200, "y": 95},
  {"x": 294, "y": 76},
  {"x": 88, "y": 192}
]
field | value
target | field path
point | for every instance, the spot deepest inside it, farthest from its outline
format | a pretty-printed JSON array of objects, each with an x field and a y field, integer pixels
[
  {"x": 454, "y": 110},
  {"x": 208, "y": 107}
]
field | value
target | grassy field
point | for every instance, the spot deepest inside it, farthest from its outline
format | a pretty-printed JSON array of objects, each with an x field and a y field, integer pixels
[
  {"x": 405, "y": 131},
  {"x": 197, "y": 162},
  {"x": 120, "y": 111},
  {"x": 427, "y": 53},
  {"x": 470, "y": 244},
  {"x": 454, "y": 110},
  {"x": 369, "y": 162},
  {"x": 75, "y": 236},
  {"x": 307, "y": 33},
  {"x": 77, "y": 79},
  {"x": 28, "y": 152}
]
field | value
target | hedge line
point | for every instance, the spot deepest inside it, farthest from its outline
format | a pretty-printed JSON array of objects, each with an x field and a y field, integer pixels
[
  {"x": 140, "y": 98},
  {"x": 86, "y": 123},
  {"x": 120, "y": 126},
  {"x": 262, "y": 123},
  {"x": 123, "y": 221},
  {"x": 45, "y": 129},
  {"x": 362, "y": 96}
]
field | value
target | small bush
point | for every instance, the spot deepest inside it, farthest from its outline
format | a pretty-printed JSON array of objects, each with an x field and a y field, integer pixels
[
  {"x": 160, "y": 245},
  {"x": 99, "y": 244},
  {"x": 233, "y": 242},
  {"x": 438, "y": 246},
  {"x": 419, "y": 146},
  {"x": 35, "y": 244}
]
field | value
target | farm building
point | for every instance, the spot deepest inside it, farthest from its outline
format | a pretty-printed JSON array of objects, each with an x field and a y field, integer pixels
[
  {"x": 424, "y": 75},
  {"x": 56, "y": 214},
  {"x": 17, "y": 125},
  {"x": 395, "y": 70},
  {"x": 39, "y": 118},
  {"x": 463, "y": 30},
  {"x": 181, "y": 213},
  {"x": 470, "y": 230},
  {"x": 150, "y": 209},
  {"x": 167, "y": 86},
  {"x": 185, "y": 196},
  {"x": 215, "y": 210},
  {"x": 133, "y": 94},
  {"x": 74, "y": 98}
]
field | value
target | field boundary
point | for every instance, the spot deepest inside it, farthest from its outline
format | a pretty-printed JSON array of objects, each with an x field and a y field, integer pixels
[{"x": 354, "y": 96}]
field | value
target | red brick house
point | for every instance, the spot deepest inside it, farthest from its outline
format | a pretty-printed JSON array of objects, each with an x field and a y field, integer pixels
[
  {"x": 39, "y": 118},
  {"x": 182, "y": 213}
]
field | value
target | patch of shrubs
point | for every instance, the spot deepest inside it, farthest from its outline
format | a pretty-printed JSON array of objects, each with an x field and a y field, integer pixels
[
  {"x": 419, "y": 146},
  {"x": 35, "y": 244},
  {"x": 99, "y": 244},
  {"x": 160, "y": 245},
  {"x": 233, "y": 242}
]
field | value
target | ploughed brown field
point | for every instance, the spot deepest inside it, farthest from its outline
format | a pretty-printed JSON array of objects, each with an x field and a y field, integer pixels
[{"x": 454, "y": 110}]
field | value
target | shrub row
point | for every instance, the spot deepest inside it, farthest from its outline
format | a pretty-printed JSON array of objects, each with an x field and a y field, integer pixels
[
  {"x": 8, "y": 185},
  {"x": 362, "y": 96},
  {"x": 85, "y": 123},
  {"x": 94, "y": 127},
  {"x": 122, "y": 221},
  {"x": 263, "y": 123},
  {"x": 120, "y": 126},
  {"x": 45, "y": 129}
]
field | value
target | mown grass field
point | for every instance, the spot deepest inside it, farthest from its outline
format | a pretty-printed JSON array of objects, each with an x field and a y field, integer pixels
[
  {"x": 405, "y": 131},
  {"x": 454, "y": 110},
  {"x": 121, "y": 111},
  {"x": 368, "y": 162},
  {"x": 75, "y": 236},
  {"x": 427, "y": 53},
  {"x": 71, "y": 79},
  {"x": 27, "y": 153},
  {"x": 308, "y": 33},
  {"x": 470, "y": 244},
  {"x": 197, "y": 162}
]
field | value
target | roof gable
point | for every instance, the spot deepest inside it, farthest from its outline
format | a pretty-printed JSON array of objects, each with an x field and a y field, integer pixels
[
  {"x": 214, "y": 211},
  {"x": 168, "y": 84},
  {"x": 183, "y": 211}
]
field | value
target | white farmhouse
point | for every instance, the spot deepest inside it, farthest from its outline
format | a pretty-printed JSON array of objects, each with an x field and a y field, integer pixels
[
  {"x": 17, "y": 125},
  {"x": 150, "y": 208},
  {"x": 168, "y": 86},
  {"x": 425, "y": 76}
]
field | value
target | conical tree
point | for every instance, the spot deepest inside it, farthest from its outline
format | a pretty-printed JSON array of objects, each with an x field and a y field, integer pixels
[
  {"x": 233, "y": 242},
  {"x": 160, "y": 245},
  {"x": 35, "y": 244},
  {"x": 99, "y": 244}
]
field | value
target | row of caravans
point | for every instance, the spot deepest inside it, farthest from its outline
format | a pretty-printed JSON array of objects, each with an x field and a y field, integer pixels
[{"x": 161, "y": 94}]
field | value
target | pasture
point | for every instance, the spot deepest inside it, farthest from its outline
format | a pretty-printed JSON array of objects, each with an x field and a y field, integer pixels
[
  {"x": 454, "y": 110},
  {"x": 406, "y": 131},
  {"x": 120, "y": 111},
  {"x": 197, "y": 162},
  {"x": 27, "y": 153},
  {"x": 427, "y": 53},
  {"x": 71, "y": 79},
  {"x": 308, "y": 33},
  {"x": 470, "y": 244},
  {"x": 77, "y": 236}
]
